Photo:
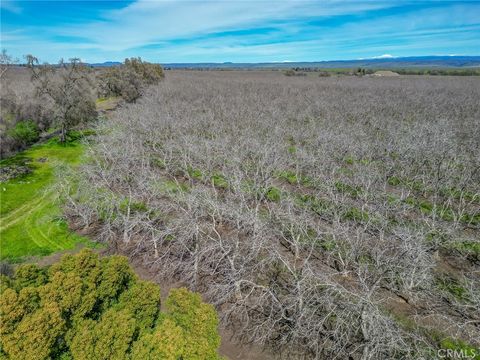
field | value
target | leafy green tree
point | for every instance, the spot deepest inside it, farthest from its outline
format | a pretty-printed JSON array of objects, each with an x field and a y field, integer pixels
[
  {"x": 143, "y": 301},
  {"x": 108, "y": 338},
  {"x": 198, "y": 321},
  {"x": 91, "y": 308},
  {"x": 36, "y": 334},
  {"x": 5, "y": 282},
  {"x": 29, "y": 275},
  {"x": 11, "y": 312},
  {"x": 116, "y": 278},
  {"x": 166, "y": 342}
]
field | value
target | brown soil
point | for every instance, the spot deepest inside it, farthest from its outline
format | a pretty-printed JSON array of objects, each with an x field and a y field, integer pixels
[{"x": 55, "y": 257}]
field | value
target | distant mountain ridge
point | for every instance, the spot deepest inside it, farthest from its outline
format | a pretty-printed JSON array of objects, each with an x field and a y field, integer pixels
[
  {"x": 400, "y": 62},
  {"x": 106, "y": 64},
  {"x": 385, "y": 63}
]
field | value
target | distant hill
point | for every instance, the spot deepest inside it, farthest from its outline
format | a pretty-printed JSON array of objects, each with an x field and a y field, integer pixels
[
  {"x": 385, "y": 63},
  {"x": 106, "y": 64},
  {"x": 413, "y": 62}
]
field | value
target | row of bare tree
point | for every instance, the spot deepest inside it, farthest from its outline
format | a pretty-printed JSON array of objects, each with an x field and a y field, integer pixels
[{"x": 328, "y": 218}]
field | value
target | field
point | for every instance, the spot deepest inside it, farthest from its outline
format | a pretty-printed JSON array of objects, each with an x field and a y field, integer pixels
[
  {"x": 32, "y": 222},
  {"x": 323, "y": 217}
]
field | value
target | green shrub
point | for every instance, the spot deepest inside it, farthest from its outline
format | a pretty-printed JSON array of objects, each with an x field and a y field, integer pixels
[
  {"x": 394, "y": 181},
  {"x": 127, "y": 205},
  {"x": 289, "y": 176},
  {"x": 356, "y": 214},
  {"x": 353, "y": 191},
  {"x": 157, "y": 162},
  {"x": 173, "y": 187},
  {"x": 317, "y": 205},
  {"x": 349, "y": 159},
  {"x": 452, "y": 286},
  {"x": 292, "y": 149},
  {"x": 468, "y": 247},
  {"x": 473, "y": 219},
  {"x": 195, "y": 173},
  {"x": 273, "y": 194},
  {"x": 460, "y": 349},
  {"x": 218, "y": 180},
  {"x": 74, "y": 135},
  {"x": 25, "y": 132}
]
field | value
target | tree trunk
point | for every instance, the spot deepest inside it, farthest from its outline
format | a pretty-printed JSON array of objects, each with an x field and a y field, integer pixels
[{"x": 63, "y": 134}]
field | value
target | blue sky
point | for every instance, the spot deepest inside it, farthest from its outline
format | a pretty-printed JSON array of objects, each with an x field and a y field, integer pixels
[{"x": 238, "y": 31}]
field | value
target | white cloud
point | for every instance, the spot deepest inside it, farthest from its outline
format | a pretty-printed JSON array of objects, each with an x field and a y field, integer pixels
[
  {"x": 187, "y": 31},
  {"x": 147, "y": 22}
]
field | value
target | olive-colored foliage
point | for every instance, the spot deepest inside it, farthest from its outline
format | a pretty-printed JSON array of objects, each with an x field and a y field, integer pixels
[
  {"x": 198, "y": 322},
  {"x": 143, "y": 301},
  {"x": 5, "y": 283},
  {"x": 108, "y": 338},
  {"x": 129, "y": 79},
  {"x": 167, "y": 342},
  {"x": 29, "y": 275},
  {"x": 90, "y": 308},
  {"x": 35, "y": 335}
]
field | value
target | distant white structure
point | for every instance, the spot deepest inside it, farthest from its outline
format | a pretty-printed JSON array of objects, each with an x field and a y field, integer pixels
[{"x": 385, "y": 73}]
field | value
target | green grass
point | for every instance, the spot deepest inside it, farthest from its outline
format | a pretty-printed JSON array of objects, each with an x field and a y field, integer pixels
[
  {"x": 173, "y": 187},
  {"x": 31, "y": 221},
  {"x": 460, "y": 349},
  {"x": 293, "y": 178},
  {"x": 453, "y": 287},
  {"x": 219, "y": 181},
  {"x": 273, "y": 194},
  {"x": 353, "y": 191},
  {"x": 467, "y": 247}
]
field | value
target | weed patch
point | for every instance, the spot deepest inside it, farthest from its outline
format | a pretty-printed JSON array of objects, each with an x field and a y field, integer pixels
[{"x": 219, "y": 181}]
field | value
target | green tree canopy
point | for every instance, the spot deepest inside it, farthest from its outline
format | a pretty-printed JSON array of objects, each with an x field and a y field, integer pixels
[{"x": 90, "y": 308}]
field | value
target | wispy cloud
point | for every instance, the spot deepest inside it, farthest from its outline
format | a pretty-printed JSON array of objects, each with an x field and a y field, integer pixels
[
  {"x": 195, "y": 31},
  {"x": 149, "y": 22}
]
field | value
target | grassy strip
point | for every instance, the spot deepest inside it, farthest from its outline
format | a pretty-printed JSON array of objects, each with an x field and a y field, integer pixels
[{"x": 31, "y": 221}]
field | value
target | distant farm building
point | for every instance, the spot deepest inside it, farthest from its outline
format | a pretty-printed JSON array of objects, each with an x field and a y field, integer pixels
[{"x": 385, "y": 73}]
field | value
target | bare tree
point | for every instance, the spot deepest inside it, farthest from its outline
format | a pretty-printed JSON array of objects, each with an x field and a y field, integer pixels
[
  {"x": 6, "y": 61},
  {"x": 324, "y": 217},
  {"x": 69, "y": 87}
]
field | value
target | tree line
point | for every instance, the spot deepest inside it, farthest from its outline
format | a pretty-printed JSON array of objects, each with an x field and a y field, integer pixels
[{"x": 61, "y": 96}]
